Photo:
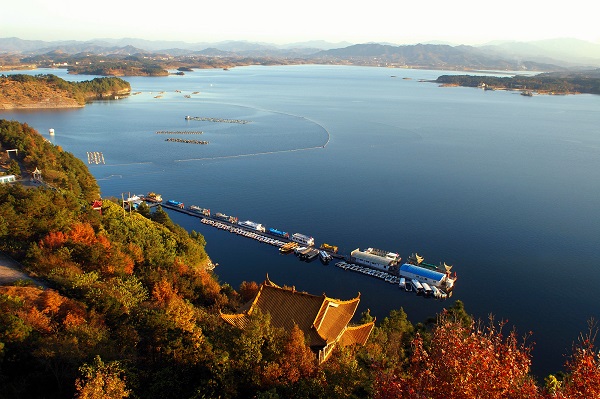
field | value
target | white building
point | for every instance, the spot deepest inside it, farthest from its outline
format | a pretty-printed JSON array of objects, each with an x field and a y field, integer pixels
[
  {"x": 375, "y": 258},
  {"x": 7, "y": 179}
]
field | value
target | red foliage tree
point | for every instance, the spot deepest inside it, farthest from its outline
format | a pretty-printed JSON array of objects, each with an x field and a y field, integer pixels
[
  {"x": 297, "y": 362},
  {"x": 466, "y": 363},
  {"x": 583, "y": 379}
]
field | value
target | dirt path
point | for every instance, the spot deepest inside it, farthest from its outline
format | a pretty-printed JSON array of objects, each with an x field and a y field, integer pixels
[{"x": 10, "y": 271}]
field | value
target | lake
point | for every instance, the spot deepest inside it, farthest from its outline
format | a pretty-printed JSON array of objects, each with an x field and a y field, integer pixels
[{"x": 502, "y": 186}]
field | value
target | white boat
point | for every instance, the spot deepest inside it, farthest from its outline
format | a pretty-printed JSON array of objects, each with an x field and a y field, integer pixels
[
  {"x": 303, "y": 239},
  {"x": 417, "y": 285},
  {"x": 427, "y": 291},
  {"x": 298, "y": 250},
  {"x": 402, "y": 283},
  {"x": 253, "y": 225},
  {"x": 325, "y": 257}
]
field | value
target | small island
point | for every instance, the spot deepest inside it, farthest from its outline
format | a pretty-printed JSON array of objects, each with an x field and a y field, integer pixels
[
  {"x": 49, "y": 91},
  {"x": 543, "y": 83}
]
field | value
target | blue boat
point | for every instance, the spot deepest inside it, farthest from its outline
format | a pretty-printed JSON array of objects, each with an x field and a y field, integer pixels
[{"x": 278, "y": 233}]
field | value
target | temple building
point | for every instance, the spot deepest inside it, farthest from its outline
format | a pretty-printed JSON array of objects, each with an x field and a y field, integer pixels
[{"x": 323, "y": 320}]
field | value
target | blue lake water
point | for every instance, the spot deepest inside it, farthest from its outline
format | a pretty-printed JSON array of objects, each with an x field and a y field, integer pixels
[{"x": 502, "y": 186}]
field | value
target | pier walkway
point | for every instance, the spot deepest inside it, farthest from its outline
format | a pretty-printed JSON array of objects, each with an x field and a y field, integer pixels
[{"x": 229, "y": 226}]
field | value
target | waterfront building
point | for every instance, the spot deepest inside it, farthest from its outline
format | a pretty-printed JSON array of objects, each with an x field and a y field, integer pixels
[
  {"x": 323, "y": 320},
  {"x": 431, "y": 277},
  {"x": 375, "y": 258}
]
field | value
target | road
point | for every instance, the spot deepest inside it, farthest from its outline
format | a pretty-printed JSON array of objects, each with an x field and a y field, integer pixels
[{"x": 11, "y": 271}]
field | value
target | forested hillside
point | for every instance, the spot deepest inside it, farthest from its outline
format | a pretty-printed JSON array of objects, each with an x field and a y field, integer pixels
[
  {"x": 50, "y": 91},
  {"x": 131, "y": 309},
  {"x": 548, "y": 83}
]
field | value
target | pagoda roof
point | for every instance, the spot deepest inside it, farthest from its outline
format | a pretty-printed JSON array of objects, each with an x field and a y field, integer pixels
[
  {"x": 323, "y": 320},
  {"x": 357, "y": 334}
]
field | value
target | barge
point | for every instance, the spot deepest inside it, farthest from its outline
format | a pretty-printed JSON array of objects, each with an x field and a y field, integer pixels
[
  {"x": 202, "y": 211},
  {"x": 253, "y": 225},
  {"x": 303, "y": 239},
  {"x": 329, "y": 248},
  {"x": 288, "y": 247},
  {"x": 279, "y": 233},
  {"x": 153, "y": 197},
  {"x": 176, "y": 204},
  {"x": 222, "y": 216}
]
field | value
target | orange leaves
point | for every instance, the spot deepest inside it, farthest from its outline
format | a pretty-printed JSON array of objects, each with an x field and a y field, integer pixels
[
  {"x": 296, "y": 362},
  {"x": 54, "y": 239},
  {"x": 82, "y": 246},
  {"x": 248, "y": 290},
  {"x": 73, "y": 320},
  {"x": 211, "y": 288},
  {"x": 45, "y": 311},
  {"x": 584, "y": 368},
  {"x": 82, "y": 233},
  {"x": 50, "y": 301},
  {"x": 163, "y": 292},
  {"x": 79, "y": 233},
  {"x": 461, "y": 362}
]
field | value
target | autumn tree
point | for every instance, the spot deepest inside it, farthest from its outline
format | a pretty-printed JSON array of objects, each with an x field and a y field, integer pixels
[
  {"x": 583, "y": 370},
  {"x": 248, "y": 290},
  {"x": 14, "y": 168},
  {"x": 466, "y": 363},
  {"x": 101, "y": 381},
  {"x": 296, "y": 362}
]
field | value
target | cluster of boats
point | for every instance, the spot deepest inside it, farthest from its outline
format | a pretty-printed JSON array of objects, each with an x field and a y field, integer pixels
[
  {"x": 310, "y": 253},
  {"x": 409, "y": 285},
  {"x": 415, "y": 275}
]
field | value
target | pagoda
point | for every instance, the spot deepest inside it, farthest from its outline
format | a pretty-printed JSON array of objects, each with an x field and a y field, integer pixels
[{"x": 323, "y": 320}]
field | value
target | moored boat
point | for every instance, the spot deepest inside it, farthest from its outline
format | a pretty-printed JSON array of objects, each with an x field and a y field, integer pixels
[
  {"x": 288, "y": 247},
  {"x": 278, "y": 233},
  {"x": 330, "y": 248},
  {"x": 202, "y": 211},
  {"x": 153, "y": 197},
  {"x": 303, "y": 239},
  {"x": 252, "y": 225},
  {"x": 325, "y": 257}
]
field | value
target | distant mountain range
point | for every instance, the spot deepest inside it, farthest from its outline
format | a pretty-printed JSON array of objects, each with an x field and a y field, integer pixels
[{"x": 540, "y": 55}]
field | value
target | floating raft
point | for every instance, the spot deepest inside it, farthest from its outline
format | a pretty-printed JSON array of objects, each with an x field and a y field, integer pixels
[
  {"x": 217, "y": 120},
  {"x": 186, "y": 141},
  {"x": 95, "y": 157},
  {"x": 178, "y": 132}
]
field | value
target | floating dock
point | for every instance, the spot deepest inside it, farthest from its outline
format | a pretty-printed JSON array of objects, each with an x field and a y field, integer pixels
[{"x": 414, "y": 265}]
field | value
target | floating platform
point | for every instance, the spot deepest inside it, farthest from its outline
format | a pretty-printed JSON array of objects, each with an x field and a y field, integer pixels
[{"x": 285, "y": 245}]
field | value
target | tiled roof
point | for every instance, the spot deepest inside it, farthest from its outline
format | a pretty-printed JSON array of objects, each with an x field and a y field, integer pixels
[
  {"x": 322, "y": 319},
  {"x": 357, "y": 334},
  {"x": 288, "y": 307},
  {"x": 238, "y": 320},
  {"x": 334, "y": 316}
]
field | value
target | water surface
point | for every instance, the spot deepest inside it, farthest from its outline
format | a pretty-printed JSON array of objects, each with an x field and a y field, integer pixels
[{"x": 502, "y": 186}]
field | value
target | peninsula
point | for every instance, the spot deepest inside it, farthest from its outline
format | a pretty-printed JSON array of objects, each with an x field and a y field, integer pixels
[
  {"x": 544, "y": 83},
  {"x": 49, "y": 91}
]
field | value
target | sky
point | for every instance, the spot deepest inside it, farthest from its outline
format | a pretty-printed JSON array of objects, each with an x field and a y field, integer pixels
[{"x": 277, "y": 21}]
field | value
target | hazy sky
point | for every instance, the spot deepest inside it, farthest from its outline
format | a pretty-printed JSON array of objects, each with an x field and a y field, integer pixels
[{"x": 280, "y": 21}]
